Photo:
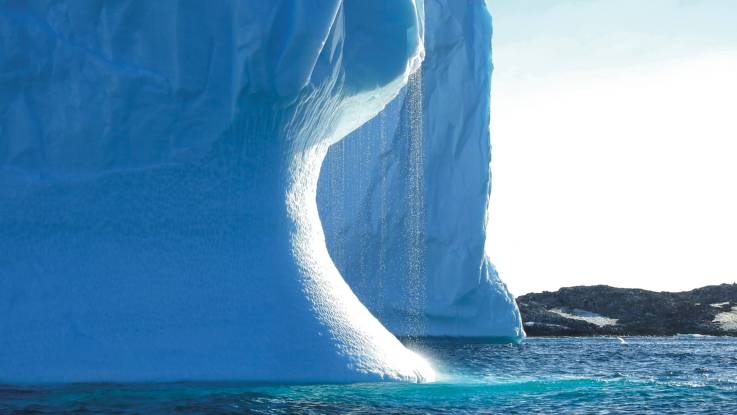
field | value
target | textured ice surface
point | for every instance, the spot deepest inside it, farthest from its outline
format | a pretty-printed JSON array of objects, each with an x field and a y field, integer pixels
[
  {"x": 409, "y": 237},
  {"x": 158, "y": 174}
]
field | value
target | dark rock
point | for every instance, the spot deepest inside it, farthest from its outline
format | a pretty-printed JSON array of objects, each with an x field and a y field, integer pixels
[{"x": 638, "y": 312}]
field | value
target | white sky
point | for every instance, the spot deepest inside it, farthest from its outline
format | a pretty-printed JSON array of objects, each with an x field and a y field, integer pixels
[{"x": 614, "y": 134}]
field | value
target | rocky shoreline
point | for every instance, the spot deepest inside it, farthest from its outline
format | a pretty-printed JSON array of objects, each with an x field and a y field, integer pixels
[{"x": 601, "y": 310}]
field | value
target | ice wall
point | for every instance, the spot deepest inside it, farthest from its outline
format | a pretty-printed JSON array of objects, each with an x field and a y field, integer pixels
[
  {"x": 409, "y": 238},
  {"x": 158, "y": 174}
]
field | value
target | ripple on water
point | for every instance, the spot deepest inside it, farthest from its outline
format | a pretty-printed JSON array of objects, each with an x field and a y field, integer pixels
[{"x": 646, "y": 375}]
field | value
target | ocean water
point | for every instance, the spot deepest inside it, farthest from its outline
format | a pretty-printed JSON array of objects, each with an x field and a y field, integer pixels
[{"x": 682, "y": 374}]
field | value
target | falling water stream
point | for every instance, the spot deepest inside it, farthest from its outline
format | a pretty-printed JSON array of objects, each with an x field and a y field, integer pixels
[
  {"x": 415, "y": 206},
  {"x": 374, "y": 193},
  {"x": 384, "y": 144}
]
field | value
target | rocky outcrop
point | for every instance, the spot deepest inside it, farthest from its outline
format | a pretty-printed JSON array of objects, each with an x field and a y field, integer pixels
[{"x": 604, "y": 310}]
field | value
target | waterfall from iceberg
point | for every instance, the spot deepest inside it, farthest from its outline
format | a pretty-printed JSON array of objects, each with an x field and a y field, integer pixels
[
  {"x": 416, "y": 206},
  {"x": 159, "y": 167},
  {"x": 420, "y": 222}
]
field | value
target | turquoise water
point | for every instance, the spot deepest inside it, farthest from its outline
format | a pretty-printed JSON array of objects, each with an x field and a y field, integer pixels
[{"x": 581, "y": 375}]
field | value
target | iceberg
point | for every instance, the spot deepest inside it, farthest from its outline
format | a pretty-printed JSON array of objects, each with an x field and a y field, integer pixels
[
  {"x": 409, "y": 237},
  {"x": 159, "y": 165}
]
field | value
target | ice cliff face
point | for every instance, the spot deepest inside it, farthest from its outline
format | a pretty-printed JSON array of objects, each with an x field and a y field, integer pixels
[
  {"x": 158, "y": 174},
  {"x": 409, "y": 238}
]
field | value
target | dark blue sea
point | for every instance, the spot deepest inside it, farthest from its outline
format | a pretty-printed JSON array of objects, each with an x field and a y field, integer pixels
[{"x": 658, "y": 375}]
